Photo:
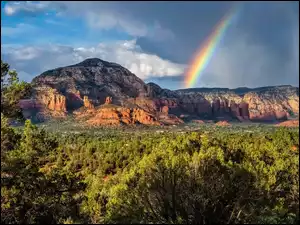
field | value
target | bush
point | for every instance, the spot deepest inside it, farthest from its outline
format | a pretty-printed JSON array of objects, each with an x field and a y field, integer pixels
[{"x": 193, "y": 177}]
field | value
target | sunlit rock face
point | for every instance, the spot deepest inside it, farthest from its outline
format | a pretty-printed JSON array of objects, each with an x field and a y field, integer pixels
[{"x": 95, "y": 82}]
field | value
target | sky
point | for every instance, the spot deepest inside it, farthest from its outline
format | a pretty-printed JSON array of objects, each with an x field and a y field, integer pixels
[{"x": 155, "y": 40}]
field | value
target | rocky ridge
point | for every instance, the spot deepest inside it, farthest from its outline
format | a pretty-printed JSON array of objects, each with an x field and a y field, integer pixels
[
  {"x": 110, "y": 114},
  {"x": 110, "y": 94}
]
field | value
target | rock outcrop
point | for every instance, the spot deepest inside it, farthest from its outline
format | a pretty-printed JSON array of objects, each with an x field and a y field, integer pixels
[
  {"x": 52, "y": 100},
  {"x": 47, "y": 103},
  {"x": 59, "y": 91},
  {"x": 86, "y": 103},
  {"x": 165, "y": 110},
  {"x": 108, "y": 100},
  {"x": 223, "y": 124},
  {"x": 30, "y": 107},
  {"x": 109, "y": 114},
  {"x": 264, "y": 108},
  {"x": 94, "y": 78},
  {"x": 29, "y": 104},
  {"x": 289, "y": 123},
  {"x": 121, "y": 115},
  {"x": 260, "y": 104}
]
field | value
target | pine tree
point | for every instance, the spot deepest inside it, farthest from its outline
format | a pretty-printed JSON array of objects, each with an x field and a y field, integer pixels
[{"x": 12, "y": 90}]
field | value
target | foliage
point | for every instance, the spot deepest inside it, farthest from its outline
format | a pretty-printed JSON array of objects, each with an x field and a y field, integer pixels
[
  {"x": 12, "y": 90},
  {"x": 191, "y": 177},
  {"x": 32, "y": 189}
]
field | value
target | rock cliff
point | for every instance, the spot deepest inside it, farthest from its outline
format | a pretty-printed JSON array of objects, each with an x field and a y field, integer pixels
[
  {"x": 259, "y": 104},
  {"x": 46, "y": 103},
  {"x": 95, "y": 79},
  {"x": 94, "y": 83},
  {"x": 109, "y": 114},
  {"x": 86, "y": 103}
]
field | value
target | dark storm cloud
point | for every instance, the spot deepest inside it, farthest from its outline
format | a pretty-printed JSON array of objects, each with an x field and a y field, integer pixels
[
  {"x": 267, "y": 31},
  {"x": 266, "y": 23}
]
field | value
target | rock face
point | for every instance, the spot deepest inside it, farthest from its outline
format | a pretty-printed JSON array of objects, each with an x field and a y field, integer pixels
[
  {"x": 108, "y": 114},
  {"x": 120, "y": 115},
  {"x": 86, "y": 103},
  {"x": 267, "y": 106},
  {"x": 58, "y": 92},
  {"x": 165, "y": 110},
  {"x": 222, "y": 124},
  {"x": 108, "y": 100},
  {"x": 95, "y": 79},
  {"x": 260, "y": 104},
  {"x": 47, "y": 103},
  {"x": 290, "y": 123},
  {"x": 52, "y": 100},
  {"x": 28, "y": 104},
  {"x": 30, "y": 107}
]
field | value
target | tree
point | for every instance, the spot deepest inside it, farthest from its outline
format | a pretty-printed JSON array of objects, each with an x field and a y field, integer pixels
[
  {"x": 33, "y": 190},
  {"x": 12, "y": 90}
]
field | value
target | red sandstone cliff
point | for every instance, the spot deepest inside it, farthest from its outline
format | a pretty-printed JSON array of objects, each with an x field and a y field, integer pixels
[
  {"x": 87, "y": 84},
  {"x": 108, "y": 114},
  {"x": 52, "y": 100},
  {"x": 86, "y": 103},
  {"x": 121, "y": 115},
  {"x": 46, "y": 104},
  {"x": 261, "y": 108}
]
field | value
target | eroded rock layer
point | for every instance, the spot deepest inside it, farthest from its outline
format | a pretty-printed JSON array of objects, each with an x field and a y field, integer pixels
[{"x": 94, "y": 82}]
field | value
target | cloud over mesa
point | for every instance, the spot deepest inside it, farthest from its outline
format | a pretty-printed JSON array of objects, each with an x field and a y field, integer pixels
[{"x": 36, "y": 59}]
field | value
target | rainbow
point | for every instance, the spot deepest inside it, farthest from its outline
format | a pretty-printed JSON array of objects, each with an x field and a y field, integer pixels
[{"x": 206, "y": 51}]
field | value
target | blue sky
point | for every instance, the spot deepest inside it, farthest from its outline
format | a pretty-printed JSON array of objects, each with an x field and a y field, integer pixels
[{"x": 155, "y": 40}]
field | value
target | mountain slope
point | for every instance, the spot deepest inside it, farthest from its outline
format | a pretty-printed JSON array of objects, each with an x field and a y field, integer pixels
[
  {"x": 94, "y": 78},
  {"x": 87, "y": 84}
]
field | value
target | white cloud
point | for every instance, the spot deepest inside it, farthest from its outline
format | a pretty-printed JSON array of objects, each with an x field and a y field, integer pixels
[
  {"x": 129, "y": 55},
  {"x": 98, "y": 16},
  {"x": 26, "y": 6},
  {"x": 34, "y": 60}
]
